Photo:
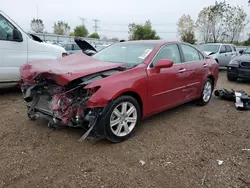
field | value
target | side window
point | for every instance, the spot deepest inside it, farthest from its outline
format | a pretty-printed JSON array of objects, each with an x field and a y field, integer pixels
[
  {"x": 6, "y": 29},
  {"x": 223, "y": 49},
  {"x": 201, "y": 56},
  {"x": 228, "y": 48},
  {"x": 190, "y": 53},
  {"x": 233, "y": 47},
  {"x": 170, "y": 51}
]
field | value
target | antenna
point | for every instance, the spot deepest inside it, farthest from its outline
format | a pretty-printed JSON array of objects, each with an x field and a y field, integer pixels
[
  {"x": 96, "y": 25},
  {"x": 83, "y": 20}
]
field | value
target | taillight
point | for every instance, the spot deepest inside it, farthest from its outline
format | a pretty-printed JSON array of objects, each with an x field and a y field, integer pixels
[{"x": 64, "y": 54}]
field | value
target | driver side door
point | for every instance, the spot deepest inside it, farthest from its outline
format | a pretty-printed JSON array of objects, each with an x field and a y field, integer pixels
[
  {"x": 13, "y": 54},
  {"x": 166, "y": 87}
]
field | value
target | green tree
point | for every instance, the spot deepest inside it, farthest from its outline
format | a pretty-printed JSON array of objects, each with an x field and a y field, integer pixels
[
  {"x": 94, "y": 35},
  {"x": 81, "y": 31},
  {"x": 186, "y": 29},
  {"x": 61, "y": 28},
  {"x": 221, "y": 22},
  {"x": 211, "y": 22},
  {"x": 142, "y": 32},
  {"x": 236, "y": 18},
  {"x": 37, "y": 25}
]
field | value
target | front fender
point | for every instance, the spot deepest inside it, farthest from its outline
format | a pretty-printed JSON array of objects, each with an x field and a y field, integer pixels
[{"x": 134, "y": 80}]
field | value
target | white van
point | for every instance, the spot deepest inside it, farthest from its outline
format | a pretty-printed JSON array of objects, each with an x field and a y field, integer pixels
[{"x": 17, "y": 48}]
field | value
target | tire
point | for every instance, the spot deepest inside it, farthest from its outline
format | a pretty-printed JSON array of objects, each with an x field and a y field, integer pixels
[
  {"x": 206, "y": 95},
  {"x": 231, "y": 78},
  {"x": 122, "y": 128}
]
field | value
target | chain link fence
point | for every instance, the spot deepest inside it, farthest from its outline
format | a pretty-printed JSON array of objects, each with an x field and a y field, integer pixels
[{"x": 63, "y": 38}]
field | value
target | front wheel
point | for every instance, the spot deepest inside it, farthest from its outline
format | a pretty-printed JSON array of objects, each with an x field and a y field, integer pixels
[
  {"x": 206, "y": 92},
  {"x": 122, "y": 118},
  {"x": 231, "y": 77}
]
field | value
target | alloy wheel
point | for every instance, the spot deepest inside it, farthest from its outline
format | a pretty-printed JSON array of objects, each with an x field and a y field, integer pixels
[{"x": 123, "y": 119}]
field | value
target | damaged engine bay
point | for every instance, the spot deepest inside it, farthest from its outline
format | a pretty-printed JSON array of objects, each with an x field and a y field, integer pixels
[{"x": 64, "y": 105}]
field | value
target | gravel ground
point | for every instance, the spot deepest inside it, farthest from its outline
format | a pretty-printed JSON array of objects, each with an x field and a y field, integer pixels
[{"x": 180, "y": 148}]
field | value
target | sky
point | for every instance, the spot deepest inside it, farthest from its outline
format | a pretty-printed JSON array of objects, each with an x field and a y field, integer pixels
[{"x": 113, "y": 15}]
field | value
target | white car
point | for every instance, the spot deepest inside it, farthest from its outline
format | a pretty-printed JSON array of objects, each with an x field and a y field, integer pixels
[
  {"x": 18, "y": 48},
  {"x": 222, "y": 53}
]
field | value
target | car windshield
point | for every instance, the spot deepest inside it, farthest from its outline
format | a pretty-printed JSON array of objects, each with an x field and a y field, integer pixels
[
  {"x": 209, "y": 48},
  {"x": 129, "y": 53}
]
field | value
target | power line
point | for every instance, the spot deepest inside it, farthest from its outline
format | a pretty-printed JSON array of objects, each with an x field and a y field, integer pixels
[{"x": 96, "y": 25}]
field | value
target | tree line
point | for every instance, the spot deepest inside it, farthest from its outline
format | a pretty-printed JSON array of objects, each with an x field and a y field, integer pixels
[
  {"x": 62, "y": 28},
  {"x": 220, "y": 22}
]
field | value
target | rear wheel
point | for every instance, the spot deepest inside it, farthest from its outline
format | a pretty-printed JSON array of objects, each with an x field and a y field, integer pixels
[
  {"x": 122, "y": 118},
  {"x": 206, "y": 92},
  {"x": 231, "y": 77}
]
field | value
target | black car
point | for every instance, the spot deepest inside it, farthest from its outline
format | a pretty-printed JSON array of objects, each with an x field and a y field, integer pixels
[{"x": 239, "y": 67}]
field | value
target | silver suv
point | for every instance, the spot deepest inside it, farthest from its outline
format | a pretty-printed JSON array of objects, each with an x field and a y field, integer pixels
[{"x": 222, "y": 53}]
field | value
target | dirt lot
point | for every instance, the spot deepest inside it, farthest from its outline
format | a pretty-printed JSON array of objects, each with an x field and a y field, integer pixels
[{"x": 180, "y": 148}]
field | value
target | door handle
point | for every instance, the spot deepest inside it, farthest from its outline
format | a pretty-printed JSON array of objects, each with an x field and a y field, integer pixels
[
  {"x": 181, "y": 70},
  {"x": 205, "y": 64}
]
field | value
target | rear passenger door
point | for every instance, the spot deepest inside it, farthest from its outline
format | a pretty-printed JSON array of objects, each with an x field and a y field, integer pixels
[
  {"x": 229, "y": 53},
  {"x": 197, "y": 70}
]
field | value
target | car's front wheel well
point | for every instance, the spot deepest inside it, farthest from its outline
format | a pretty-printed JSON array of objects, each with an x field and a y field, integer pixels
[
  {"x": 212, "y": 79},
  {"x": 136, "y": 96}
]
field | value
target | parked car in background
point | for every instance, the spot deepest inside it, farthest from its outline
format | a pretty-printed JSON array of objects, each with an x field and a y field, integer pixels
[
  {"x": 17, "y": 48},
  {"x": 222, "y": 53},
  {"x": 112, "y": 90},
  {"x": 239, "y": 67},
  {"x": 79, "y": 46},
  {"x": 71, "y": 48}
]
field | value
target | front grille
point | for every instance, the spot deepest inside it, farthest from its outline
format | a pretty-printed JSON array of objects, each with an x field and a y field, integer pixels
[{"x": 245, "y": 65}]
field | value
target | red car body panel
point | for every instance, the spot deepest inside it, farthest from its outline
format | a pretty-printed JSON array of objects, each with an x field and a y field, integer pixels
[
  {"x": 67, "y": 69},
  {"x": 158, "y": 90}
]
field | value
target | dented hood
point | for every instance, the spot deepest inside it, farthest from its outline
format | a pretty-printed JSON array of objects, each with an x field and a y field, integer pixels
[{"x": 65, "y": 69}]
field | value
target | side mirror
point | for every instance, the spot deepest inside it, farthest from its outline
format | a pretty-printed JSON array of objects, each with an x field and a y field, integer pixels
[
  {"x": 241, "y": 52},
  {"x": 164, "y": 63},
  {"x": 17, "y": 35}
]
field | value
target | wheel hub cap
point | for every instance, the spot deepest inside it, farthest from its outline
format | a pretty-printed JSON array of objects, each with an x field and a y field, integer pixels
[
  {"x": 123, "y": 119},
  {"x": 207, "y": 91}
]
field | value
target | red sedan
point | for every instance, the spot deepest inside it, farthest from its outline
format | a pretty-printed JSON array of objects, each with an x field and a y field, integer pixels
[{"x": 110, "y": 92}]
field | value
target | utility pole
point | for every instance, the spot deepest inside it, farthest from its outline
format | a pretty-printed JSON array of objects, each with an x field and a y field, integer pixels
[
  {"x": 96, "y": 25},
  {"x": 83, "y": 20}
]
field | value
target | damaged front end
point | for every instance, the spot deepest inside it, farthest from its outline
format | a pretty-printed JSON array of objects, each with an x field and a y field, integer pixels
[{"x": 65, "y": 105}]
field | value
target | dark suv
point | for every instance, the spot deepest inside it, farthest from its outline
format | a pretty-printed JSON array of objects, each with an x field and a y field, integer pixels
[{"x": 239, "y": 67}]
